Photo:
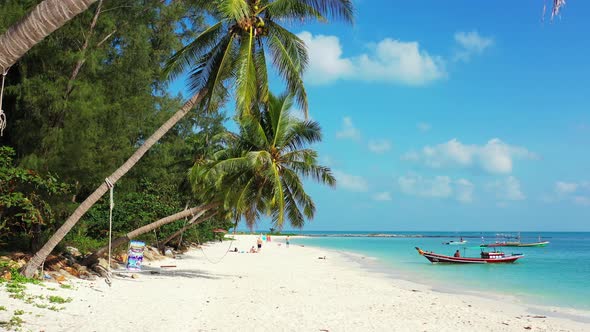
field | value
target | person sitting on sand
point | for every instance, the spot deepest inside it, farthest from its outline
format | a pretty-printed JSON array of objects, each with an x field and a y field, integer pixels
[
  {"x": 253, "y": 250},
  {"x": 457, "y": 253}
]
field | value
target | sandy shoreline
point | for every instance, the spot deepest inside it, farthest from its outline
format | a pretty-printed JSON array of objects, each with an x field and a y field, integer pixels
[{"x": 279, "y": 289}]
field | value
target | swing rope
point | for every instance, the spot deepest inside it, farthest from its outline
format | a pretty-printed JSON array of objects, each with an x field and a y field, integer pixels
[
  {"x": 184, "y": 224},
  {"x": 2, "y": 115},
  {"x": 228, "y": 248},
  {"x": 108, "y": 279}
]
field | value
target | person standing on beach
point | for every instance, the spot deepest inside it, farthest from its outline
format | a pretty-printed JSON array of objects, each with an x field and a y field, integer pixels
[
  {"x": 259, "y": 243},
  {"x": 287, "y": 241}
]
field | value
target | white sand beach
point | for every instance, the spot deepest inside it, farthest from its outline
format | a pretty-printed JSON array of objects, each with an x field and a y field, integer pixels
[{"x": 278, "y": 289}]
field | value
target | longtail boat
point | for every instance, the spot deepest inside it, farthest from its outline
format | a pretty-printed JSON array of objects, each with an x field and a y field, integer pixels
[
  {"x": 534, "y": 244},
  {"x": 515, "y": 244},
  {"x": 486, "y": 258}
]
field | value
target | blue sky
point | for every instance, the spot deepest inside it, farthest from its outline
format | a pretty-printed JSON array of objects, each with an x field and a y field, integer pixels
[{"x": 452, "y": 116}]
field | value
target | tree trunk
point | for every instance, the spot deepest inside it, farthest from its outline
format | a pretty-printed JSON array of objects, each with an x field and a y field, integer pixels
[
  {"x": 47, "y": 17},
  {"x": 82, "y": 60},
  {"x": 90, "y": 260},
  {"x": 30, "y": 268},
  {"x": 193, "y": 222}
]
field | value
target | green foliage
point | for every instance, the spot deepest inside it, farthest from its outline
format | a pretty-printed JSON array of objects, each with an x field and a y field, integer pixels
[
  {"x": 58, "y": 299},
  {"x": 14, "y": 322},
  {"x": 64, "y": 286},
  {"x": 24, "y": 208},
  {"x": 2, "y": 308},
  {"x": 76, "y": 113},
  {"x": 19, "y": 312},
  {"x": 82, "y": 127},
  {"x": 16, "y": 278}
]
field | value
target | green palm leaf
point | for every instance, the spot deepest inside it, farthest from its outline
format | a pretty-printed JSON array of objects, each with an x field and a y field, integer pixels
[
  {"x": 246, "y": 74},
  {"x": 192, "y": 54},
  {"x": 290, "y": 58},
  {"x": 235, "y": 9}
]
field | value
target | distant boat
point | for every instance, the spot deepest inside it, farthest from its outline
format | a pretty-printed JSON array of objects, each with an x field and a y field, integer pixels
[
  {"x": 516, "y": 244},
  {"x": 533, "y": 244},
  {"x": 455, "y": 243},
  {"x": 485, "y": 258}
]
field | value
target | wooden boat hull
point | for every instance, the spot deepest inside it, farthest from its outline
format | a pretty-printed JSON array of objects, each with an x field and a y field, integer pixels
[{"x": 437, "y": 258}]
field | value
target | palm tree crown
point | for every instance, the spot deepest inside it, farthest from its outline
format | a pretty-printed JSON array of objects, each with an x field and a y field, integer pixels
[
  {"x": 260, "y": 170},
  {"x": 232, "y": 52}
]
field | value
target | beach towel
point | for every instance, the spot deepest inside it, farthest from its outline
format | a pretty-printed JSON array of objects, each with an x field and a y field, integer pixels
[{"x": 135, "y": 256}]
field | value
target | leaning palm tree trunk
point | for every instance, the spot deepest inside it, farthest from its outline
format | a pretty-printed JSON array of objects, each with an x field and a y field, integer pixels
[
  {"x": 47, "y": 17},
  {"x": 199, "y": 211},
  {"x": 30, "y": 268},
  {"x": 193, "y": 222}
]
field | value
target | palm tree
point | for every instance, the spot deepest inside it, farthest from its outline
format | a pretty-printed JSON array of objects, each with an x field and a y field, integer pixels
[
  {"x": 219, "y": 57},
  {"x": 232, "y": 52},
  {"x": 260, "y": 171},
  {"x": 45, "y": 18}
]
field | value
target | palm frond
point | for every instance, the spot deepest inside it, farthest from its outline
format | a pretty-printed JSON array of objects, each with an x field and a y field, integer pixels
[
  {"x": 261, "y": 73},
  {"x": 234, "y": 9},
  {"x": 280, "y": 118},
  {"x": 290, "y": 59},
  {"x": 246, "y": 75},
  {"x": 278, "y": 198},
  {"x": 320, "y": 174},
  {"x": 293, "y": 182},
  {"x": 302, "y": 133},
  {"x": 339, "y": 9},
  {"x": 291, "y": 10},
  {"x": 192, "y": 54},
  {"x": 221, "y": 70}
]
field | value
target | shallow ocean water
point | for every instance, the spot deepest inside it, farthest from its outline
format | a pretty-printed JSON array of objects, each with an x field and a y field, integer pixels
[{"x": 556, "y": 275}]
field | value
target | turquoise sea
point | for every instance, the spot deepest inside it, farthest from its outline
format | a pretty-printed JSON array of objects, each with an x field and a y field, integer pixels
[{"x": 556, "y": 275}]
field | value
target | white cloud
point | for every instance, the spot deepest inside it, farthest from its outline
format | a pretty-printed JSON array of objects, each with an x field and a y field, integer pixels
[
  {"x": 564, "y": 188},
  {"x": 424, "y": 127},
  {"x": 507, "y": 189},
  {"x": 350, "y": 182},
  {"x": 470, "y": 43},
  {"x": 379, "y": 146},
  {"x": 348, "y": 130},
  {"x": 493, "y": 157},
  {"x": 438, "y": 186},
  {"x": 382, "y": 197},
  {"x": 464, "y": 190},
  {"x": 325, "y": 59},
  {"x": 387, "y": 61},
  {"x": 416, "y": 185},
  {"x": 577, "y": 192},
  {"x": 582, "y": 200}
]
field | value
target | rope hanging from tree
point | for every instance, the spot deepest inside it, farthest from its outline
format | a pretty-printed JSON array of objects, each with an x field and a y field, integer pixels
[
  {"x": 108, "y": 279},
  {"x": 184, "y": 225},
  {"x": 228, "y": 248},
  {"x": 2, "y": 115}
]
